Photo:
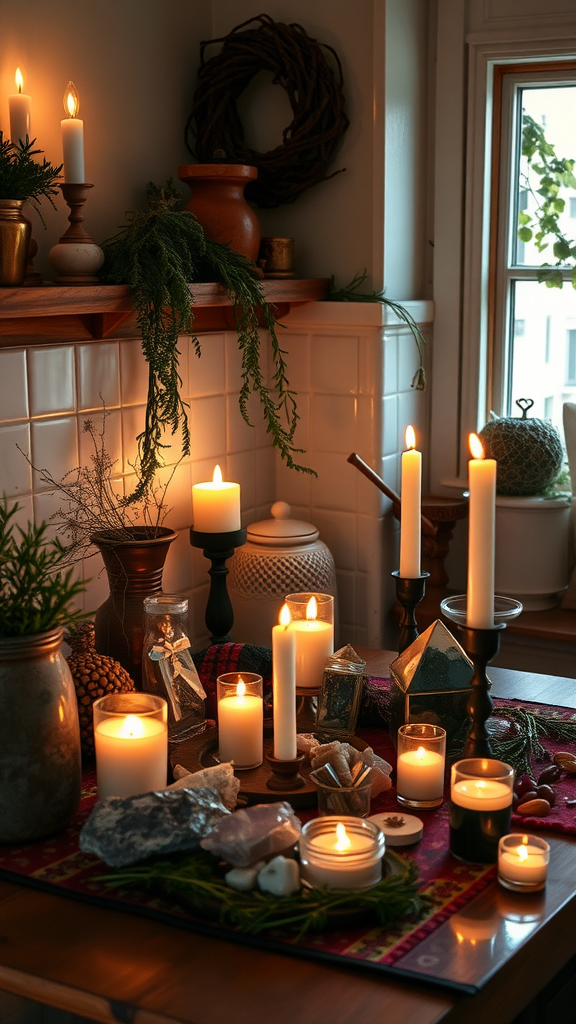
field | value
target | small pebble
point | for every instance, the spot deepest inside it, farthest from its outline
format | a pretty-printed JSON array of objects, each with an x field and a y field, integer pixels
[
  {"x": 243, "y": 879},
  {"x": 281, "y": 877}
]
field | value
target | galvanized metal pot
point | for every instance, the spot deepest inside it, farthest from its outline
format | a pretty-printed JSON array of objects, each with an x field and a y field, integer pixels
[
  {"x": 15, "y": 232},
  {"x": 39, "y": 738}
]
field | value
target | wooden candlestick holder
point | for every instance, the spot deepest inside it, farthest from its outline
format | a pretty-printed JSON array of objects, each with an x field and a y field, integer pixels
[
  {"x": 76, "y": 258},
  {"x": 218, "y": 548},
  {"x": 285, "y": 773}
]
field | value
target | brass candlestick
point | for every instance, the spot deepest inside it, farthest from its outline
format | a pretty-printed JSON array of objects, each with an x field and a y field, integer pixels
[{"x": 76, "y": 258}]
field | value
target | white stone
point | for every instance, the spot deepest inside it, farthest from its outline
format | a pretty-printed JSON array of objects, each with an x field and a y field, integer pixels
[
  {"x": 243, "y": 879},
  {"x": 281, "y": 877}
]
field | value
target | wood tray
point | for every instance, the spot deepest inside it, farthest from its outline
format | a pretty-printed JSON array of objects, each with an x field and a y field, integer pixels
[{"x": 202, "y": 752}]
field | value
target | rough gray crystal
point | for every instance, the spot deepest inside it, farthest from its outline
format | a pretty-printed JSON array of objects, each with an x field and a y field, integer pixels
[
  {"x": 254, "y": 833},
  {"x": 124, "y": 830}
]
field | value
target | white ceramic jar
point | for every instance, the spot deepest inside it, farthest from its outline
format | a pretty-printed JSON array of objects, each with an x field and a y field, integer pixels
[
  {"x": 281, "y": 556},
  {"x": 532, "y": 562}
]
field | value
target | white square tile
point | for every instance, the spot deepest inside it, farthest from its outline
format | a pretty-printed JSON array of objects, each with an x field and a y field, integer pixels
[
  {"x": 333, "y": 423},
  {"x": 412, "y": 410},
  {"x": 233, "y": 359},
  {"x": 51, "y": 382},
  {"x": 346, "y": 582},
  {"x": 133, "y": 373},
  {"x": 47, "y": 509},
  {"x": 24, "y": 514},
  {"x": 15, "y": 472},
  {"x": 178, "y": 496},
  {"x": 297, "y": 356},
  {"x": 408, "y": 360},
  {"x": 54, "y": 448},
  {"x": 338, "y": 531},
  {"x": 390, "y": 425},
  {"x": 96, "y": 582},
  {"x": 370, "y": 363},
  {"x": 177, "y": 575},
  {"x": 208, "y": 427},
  {"x": 334, "y": 364},
  {"x": 241, "y": 469},
  {"x": 369, "y": 543},
  {"x": 336, "y": 485},
  {"x": 207, "y": 373},
  {"x": 198, "y": 606},
  {"x": 266, "y": 476},
  {"x": 368, "y": 425},
  {"x": 98, "y": 375},
  {"x": 202, "y": 470},
  {"x": 371, "y": 501},
  {"x": 239, "y": 436},
  {"x": 112, "y": 438},
  {"x": 390, "y": 472},
  {"x": 390, "y": 364},
  {"x": 13, "y": 385},
  {"x": 291, "y": 486},
  {"x": 133, "y": 421}
]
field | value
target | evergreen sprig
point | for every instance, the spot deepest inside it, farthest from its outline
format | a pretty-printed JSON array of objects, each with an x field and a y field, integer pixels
[
  {"x": 194, "y": 878},
  {"x": 350, "y": 293},
  {"x": 555, "y": 174},
  {"x": 525, "y": 745},
  {"x": 22, "y": 177},
  {"x": 158, "y": 254},
  {"x": 36, "y": 594}
]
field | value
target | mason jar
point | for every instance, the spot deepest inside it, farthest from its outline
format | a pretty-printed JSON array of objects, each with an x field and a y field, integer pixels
[{"x": 167, "y": 667}]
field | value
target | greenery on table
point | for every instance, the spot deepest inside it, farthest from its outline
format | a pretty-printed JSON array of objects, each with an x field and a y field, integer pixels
[
  {"x": 35, "y": 593},
  {"x": 157, "y": 254},
  {"x": 195, "y": 879},
  {"x": 350, "y": 293},
  {"x": 543, "y": 226},
  {"x": 23, "y": 177},
  {"x": 522, "y": 745}
]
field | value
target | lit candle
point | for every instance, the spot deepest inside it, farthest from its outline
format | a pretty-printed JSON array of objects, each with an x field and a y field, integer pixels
[
  {"x": 481, "y": 795},
  {"x": 410, "y": 510},
  {"x": 482, "y": 512},
  {"x": 314, "y": 643},
  {"x": 523, "y": 862},
  {"x": 72, "y": 137},
  {"x": 19, "y": 107},
  {"x": 480, "y": 808},
  {"x": 131, "y": 755},
  {"x": 284, "y": 686},
  {"x": 240, "y": 720},
  {"x": 420, "y": 775},
  {"x": 216, "y": 505},
  {"x": 342, "y": 854}
]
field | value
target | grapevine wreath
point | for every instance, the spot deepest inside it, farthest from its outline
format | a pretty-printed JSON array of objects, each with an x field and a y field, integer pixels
[{"x": 298, "y": 63}]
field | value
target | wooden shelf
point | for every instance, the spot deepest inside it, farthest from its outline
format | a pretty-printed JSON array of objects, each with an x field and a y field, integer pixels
[{"x": 39, "y": 316}]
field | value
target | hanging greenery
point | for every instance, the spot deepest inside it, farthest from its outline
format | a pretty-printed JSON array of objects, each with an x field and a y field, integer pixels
[
  {"x": 158, "y": 254},
  {"x": 350, "y": 293},
  {"x": 554, "y": 175}
]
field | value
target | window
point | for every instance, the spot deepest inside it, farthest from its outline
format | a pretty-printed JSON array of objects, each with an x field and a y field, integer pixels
[{"x": 571, "y": 357}]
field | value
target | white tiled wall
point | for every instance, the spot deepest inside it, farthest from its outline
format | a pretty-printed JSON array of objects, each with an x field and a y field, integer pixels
[{"x": 352, "y": 370}]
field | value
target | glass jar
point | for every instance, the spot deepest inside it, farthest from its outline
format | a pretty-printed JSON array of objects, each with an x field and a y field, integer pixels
[
  {"x": 341, "y": 852},
  {"x": 167, "y": 667}
]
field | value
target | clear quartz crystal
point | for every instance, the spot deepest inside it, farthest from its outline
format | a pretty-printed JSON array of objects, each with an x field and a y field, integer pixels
[{"x": 168, "y": 669}]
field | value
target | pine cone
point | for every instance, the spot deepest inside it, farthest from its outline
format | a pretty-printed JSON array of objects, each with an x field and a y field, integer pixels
[{"x": 94, "y": 676}]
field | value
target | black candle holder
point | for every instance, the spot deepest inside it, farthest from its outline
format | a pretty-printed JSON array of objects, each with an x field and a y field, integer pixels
[
  {"x": 481, "y": 645},
  {"x": 409, "y": 593},
  {"x": 218, "y": 548}
]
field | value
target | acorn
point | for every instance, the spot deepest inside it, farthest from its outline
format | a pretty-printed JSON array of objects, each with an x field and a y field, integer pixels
[{"x": 94, "y": 676}]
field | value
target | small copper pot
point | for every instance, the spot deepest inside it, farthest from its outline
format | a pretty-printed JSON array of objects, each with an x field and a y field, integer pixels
[{"x": 15, "y": 233}]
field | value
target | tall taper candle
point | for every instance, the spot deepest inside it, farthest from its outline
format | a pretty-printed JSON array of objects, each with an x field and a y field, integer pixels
[
  {"x": 72, "y": 138},
  {"x": 284, "y": 687},
  {"x": 410, "y": 510},
  {"x": 19, "y": 108},
  {"x": 481, "y": 537}
]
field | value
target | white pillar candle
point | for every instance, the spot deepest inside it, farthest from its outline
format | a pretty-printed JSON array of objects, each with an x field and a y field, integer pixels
[
  {"x": 314, "y": 644},
  {"x": 19, "y": 108},
  {"x": 284, "y": 686},
  {"x": 240, "y": 728},
  {"x": 410, "y": 508},
  {"x": 131, "y": 755},
  {"x": 420, "y": 775},
  {"x": 216, "y": 505},
  {"x": 481, "y": 795},
  {"x": 481, "y": 528},
  {"x": 72, "y": 138}
]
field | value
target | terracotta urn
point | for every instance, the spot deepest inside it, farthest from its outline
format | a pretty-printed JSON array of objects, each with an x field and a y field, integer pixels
[{"x": 218, "y": 203}]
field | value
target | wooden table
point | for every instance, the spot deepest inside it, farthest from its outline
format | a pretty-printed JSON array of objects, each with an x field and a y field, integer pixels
[{"x": 114, "y": 967}]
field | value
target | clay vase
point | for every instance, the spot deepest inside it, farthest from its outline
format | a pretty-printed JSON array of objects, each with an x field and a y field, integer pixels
[
  {"x": 134, "y": 569},
  {"x": 39, "y": 738},
  {"x": 218, "y": 203},
  {"x": 15, "y": 231}
]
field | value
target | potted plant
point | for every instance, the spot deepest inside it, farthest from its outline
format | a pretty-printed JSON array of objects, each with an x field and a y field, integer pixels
[
  {"x": 39, "y": 732},
  {"x": 22, "y": 179}
]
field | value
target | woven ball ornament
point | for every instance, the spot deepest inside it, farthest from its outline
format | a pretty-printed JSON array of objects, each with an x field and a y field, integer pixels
[
  {"x": 94, "y": 676},
  {"x": 314, "y": 88},
  {"x": 529, "y": 453}
]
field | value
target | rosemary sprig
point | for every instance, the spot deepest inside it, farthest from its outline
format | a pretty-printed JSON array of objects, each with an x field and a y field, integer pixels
[
  {"x": 350, "y": 293},
  {"x": 194, "y": 879},
  {"x": 519, "y": 750}
]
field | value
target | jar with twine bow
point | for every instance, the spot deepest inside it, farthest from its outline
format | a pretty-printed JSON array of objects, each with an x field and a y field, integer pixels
[{"x": 167, "y": 667}]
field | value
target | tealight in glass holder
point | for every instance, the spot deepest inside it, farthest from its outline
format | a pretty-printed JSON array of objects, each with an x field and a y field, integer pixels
[
  {"x": 420, "y": 765},
  {"x": 131, "y": 743},
  {"x": 481, "y": 794},
  {"x": 313, "y": 625},
  {"x": 240, "y": 719},
  {"x": 341, "y": 852},
  {"x": 523, "y": 862}
]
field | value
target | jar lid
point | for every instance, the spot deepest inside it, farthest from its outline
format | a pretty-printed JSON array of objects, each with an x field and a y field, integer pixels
[
  {"x": 165, "y": 604},
  {"x": 281, "y": 531}
]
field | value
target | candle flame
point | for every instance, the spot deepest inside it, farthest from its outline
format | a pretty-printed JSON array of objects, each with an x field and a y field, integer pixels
[
  {"x": 342, "y": 839},
  {"x": 410, "y": 437},
  {"x": 312, "y": 609},
  {"x": 475, "y": 445},
  {"x": 132, "y": 727},
  {"x": 285, "y": 617},
  {"x": 71, "y": 100},
  {"x": 241, "y": 688},
  {"x": 420, "y": 753},
  {"x": 522, "y": 852},
  {"x": 217, "y": 476},
  {"x": 19, "y": 79}
]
